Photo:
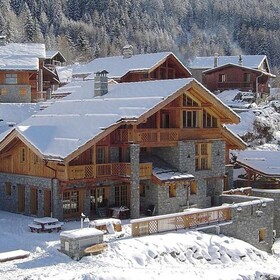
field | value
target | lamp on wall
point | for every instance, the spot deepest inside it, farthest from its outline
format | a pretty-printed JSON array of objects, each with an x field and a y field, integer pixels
[
  {"x": 188, "y": 156},
  {"x": 218, "y": 153},
  {"x": 239, "y": 209}
]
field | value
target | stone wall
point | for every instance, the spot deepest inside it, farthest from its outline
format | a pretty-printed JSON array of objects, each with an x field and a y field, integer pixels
[
  {"x": 16, "y": 93},
  {"x": 274, "y": 194},
  {"x": 10, "y": 202},
  {"x": 249, "y": 216}
]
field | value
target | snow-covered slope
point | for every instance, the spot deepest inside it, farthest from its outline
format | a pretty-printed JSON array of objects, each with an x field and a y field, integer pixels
[{"x": 181, "y": 255}]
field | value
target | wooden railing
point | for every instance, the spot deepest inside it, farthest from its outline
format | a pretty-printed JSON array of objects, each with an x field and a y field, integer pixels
[
  {"x": 184, "y": 220},
  {"x": 163, "y": 136},
  {"x": 107, "y": 170}
]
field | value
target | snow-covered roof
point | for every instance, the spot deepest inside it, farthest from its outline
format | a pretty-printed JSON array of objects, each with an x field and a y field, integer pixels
[
  {"x": 23, "y": 49},
  {"x": 170, "y": 175},
  {"x": 64, "y": 73},
  {"x": 118, "y": 66},
  {"x": 265, "y": 162},
  {"x": 71, "y": 122},
  {"x": 81, "y": 233},
  {"x": 207, "y": 62},
  {"x": 16, "y": 62},
  {"x": 14, "y": 113}
]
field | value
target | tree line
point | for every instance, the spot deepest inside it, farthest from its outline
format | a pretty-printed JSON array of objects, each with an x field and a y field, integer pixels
[{"x": 85, "y": 29}]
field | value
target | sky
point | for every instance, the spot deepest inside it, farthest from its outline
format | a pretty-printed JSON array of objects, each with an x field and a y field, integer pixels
[{"x": 180, "y": 255}]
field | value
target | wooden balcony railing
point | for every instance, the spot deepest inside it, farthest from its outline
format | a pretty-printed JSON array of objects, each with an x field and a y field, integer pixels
[
  {"x": 241, "y": 85},
  {"x": 183, "y": 220},
  {"x": 164, "y": 135},
  {"x": 107, "y": 170}
]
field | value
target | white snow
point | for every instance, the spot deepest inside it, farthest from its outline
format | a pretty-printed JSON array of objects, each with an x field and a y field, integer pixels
[
  {"x": 81, "y": 232},
  {"x": 180, "y": 255}
]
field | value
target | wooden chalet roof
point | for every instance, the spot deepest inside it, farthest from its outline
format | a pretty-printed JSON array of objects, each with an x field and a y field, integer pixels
[
  {"x": 118, "y": 66},
  {"x": 250, "y": 61},
  {"x": 215, "y": 69},
  {"x": 76, "y": 122},
  {"x": 265, "y": 163}
]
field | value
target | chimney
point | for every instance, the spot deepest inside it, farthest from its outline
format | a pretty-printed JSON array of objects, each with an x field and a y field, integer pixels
[
  {"x": 216, "y": 59},
  {"x": 2, "y": 40},
  {"x": 240, "y": 61},
  {"x": 127, "y": 51},
  {"x": 100, "y": 83}
]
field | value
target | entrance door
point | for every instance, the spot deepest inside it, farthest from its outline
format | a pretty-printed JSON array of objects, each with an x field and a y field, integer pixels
[
  {"x": 98, "y": 200},
  {"x": 47, "y": 203},
  {"x": 21, "y": 198},
  {"x": 33, "y": 201}
]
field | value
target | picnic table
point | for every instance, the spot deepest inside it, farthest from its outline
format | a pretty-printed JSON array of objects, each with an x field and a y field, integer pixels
[{"x": 45, "y": 224}]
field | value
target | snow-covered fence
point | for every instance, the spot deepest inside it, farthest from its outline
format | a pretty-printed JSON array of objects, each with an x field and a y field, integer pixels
[{"x": 192, "y": 218}]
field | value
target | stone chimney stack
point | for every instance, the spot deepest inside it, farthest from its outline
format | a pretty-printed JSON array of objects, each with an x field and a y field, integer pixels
[
  {"x": 2, "y": 40},
  {"x": 127, "y": 51},
  {"x": 240, "y": 61},
  {"x": 216, "y": 60},
  {"x": 100, "y": 83}
]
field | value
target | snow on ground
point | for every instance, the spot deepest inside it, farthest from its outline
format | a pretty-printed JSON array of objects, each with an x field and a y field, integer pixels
[{"x": 181, "y": 255}]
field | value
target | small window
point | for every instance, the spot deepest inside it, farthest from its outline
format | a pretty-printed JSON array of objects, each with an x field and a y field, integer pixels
[
  {"x": 11, "y": 79},
  {"x": 189, "y": 102},
  {"x": 209, "y": 120},
  {"x": 142, "y": 190},
  {"x": 247, "y": 77},
  {"x": 22, "y": 91},
  {"x": 190, "y": 119},
  {"x": 193, "y": 188},
  {"x": 36, "y": 159},
  {"x": 22, "y": 154},
  {"x": 8, "y": 188},
  {"x": 202, "y": 156},
  {"x": 222, "y": 78},
  {"x": 262, "y": 235},
  {"x": 172, "y": 190},
  {"x": 3, "y": 91},
  {"x": 101, "y": 155}
]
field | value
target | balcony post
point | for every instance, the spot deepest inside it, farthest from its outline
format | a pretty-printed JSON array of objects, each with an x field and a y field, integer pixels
[{"x": 134, "y": 181}]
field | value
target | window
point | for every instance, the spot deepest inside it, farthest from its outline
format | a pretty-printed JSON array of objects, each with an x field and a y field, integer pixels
[
  {"x": 262, "y": 235},
  {"x": 189, "y": 102},
  {"x": 22, "y": 91},
  {"x": 98, "y": 198},
  {"x": 247, "y": 77},
  {"x": 8, "y": 188},
  {"x": 202, "y": 156},
  {"x": 142, "y": 190},
  {"x": 35, "y": 159},
  {"x": 3, "y": 91},
  {"x": 165, "y": 120},
  {"x": 190, "y": 118},
  {"x": 172, "y": 190},
  {"x": 193, "y": 187},
  {"x": 11, "y": 79},
  {"x": 222, "y": 78},
  {"x": 121, "y": 195},
  {"x": 100, "y": 155},
  {"x": 209, "y": 120},
  {"x": 22, "y": 154},
  {"x": 70, "y": 202}
]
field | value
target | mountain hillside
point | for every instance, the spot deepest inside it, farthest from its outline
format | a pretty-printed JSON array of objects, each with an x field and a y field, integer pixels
[{"x": 84, "y": 29}]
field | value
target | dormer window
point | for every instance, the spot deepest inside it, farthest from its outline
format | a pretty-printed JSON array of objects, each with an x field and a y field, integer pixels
[{"x": 11, "y": 79}]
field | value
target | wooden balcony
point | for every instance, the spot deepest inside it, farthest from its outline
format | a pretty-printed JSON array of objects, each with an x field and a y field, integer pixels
[
  {"x": 107, "y": 170},
  {"x": 240, "y": 85},
  {"x": 163, "y": 136}
]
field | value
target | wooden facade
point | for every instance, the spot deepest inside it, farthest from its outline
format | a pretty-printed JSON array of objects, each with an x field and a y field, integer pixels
[
  {"x": 236, "y": 77},
  {"x": 169, "y": 68}
]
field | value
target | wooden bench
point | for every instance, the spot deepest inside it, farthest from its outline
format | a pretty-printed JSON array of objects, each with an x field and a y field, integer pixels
[
  {"x": 35, "y": 227},
  {"x": 55, "y": 226}
]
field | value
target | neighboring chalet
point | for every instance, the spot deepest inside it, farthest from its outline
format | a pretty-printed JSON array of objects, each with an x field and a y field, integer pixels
[
  {"x": 262, "y": 174},
  {"x": 23, "y": 75},
  {"x": 135, "y": 68},
  {"x": 246, "y": 73},
  {"x": 160, "y": 143}
]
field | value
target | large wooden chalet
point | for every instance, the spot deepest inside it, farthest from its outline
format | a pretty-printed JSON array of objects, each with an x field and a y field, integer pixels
[
  {"x": 160, "y": 143},
  {"x": 135, "y": 68},
  {"x": 246, "y": 73}
]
